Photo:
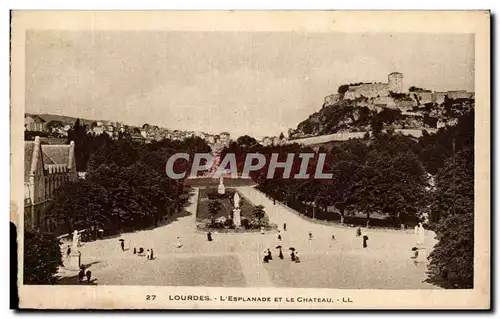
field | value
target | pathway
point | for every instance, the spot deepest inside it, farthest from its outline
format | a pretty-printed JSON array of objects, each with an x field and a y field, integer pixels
[{"x": 235, "y": 260}]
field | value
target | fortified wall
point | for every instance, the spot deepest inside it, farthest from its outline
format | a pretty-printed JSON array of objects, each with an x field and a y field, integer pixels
[{"x": 379, "y": 94}]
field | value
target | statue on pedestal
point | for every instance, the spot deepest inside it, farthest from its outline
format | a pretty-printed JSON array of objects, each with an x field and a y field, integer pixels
[
  {"x": 237, "y": 210},
  {"x": 221, "y": 189},
  {"x": 74, "y": 257},
  {"x": 420, "y": 234},
  {"x": 76, "y": 239}
]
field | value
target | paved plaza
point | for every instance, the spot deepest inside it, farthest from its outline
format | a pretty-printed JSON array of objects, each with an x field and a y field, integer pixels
[{"x": 235, "y": 259}]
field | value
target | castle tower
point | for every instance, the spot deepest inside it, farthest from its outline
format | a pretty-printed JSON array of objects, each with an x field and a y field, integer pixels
[{"x": 395, "y": 80}]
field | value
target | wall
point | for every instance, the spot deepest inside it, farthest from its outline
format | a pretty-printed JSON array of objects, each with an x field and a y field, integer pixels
[
  {"x": 331, "y": 99},
  {"x": 367, "y": 90},
  {"x": 423, "y": 97},
  {"x": 395, "y": 82}
]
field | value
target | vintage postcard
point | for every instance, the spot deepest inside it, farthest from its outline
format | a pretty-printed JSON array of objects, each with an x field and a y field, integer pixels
[{"x": 251, "y": 160}]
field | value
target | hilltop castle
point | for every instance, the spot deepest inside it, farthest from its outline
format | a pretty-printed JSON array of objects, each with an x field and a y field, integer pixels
[{"x": 382, "y": 94}]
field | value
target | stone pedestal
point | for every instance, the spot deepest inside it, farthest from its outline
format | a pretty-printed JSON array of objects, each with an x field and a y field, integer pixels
[
  {"x": 237, "y": 217},
  {"x": 221, "y": 189},
  {"x": 74, "y": 261},
  {"x": 423, "y": 253}
]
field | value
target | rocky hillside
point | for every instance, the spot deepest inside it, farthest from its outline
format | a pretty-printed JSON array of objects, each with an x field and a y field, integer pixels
[{"x": 360, "y": 115}]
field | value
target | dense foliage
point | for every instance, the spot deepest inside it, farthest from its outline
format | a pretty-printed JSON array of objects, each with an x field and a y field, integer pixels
[
  {"x": 126, "y": 187},
  {"x": 399, "y": 179},
  {"x": 356, "y": 115},
  {"x": 42, "y": 257},
  {"x": 382, "y": 176},
  {"x": 452, "y": 259}
]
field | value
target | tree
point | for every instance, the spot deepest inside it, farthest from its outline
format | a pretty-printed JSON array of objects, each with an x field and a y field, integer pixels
[
  {"x": 452, "y": 259},
  {"x": 282, "y": 136},
  {"x": 415, "y": 89},
  {"x": 246, "y": 141},
  {"x": 259, "y": 213},
  {"x": 345, "y": 176},
  {"x": 342, "y": 89},
  {"x": 54, "y": 124},
  {"x": 42, "y": 257},
  {"x": 377, "y": 125},
  {"x": 122, "y": 153},
  {"x": 367, "y": 191},
  {"x": 78, "y": 205},
  {"x": 214, "y": 207}
]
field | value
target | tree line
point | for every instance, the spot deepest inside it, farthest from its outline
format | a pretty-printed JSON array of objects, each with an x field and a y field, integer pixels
[
  {"x": 125, "y": 189},
  {"x": 401, "y": 179}
]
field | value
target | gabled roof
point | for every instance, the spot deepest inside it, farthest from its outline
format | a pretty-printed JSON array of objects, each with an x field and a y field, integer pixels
[
  {"x": 55, "y": 154},
  {"x": 35, "y": 118},
  {"x": 29, "y": 146},
  {"x": 51, "y": 154}
]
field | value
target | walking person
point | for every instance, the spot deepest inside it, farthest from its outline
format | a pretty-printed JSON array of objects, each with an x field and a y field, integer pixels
[
  {"x": 178, "y": 243},
  {"x": 292, "y": 255},
  {"x": 209, "y": 236},
  {"x": 266, "y": 258},
  {"x": 279, "y": 235},
  {"x": 269, "y": 256},
  {"x": 280, "y": 254},
  {"x": 284, "y": 226},
  {"x": 148, "y": 255},
  {"x": 122, "y": 245},
  {"x": 135, "y": 251},
  {"x": 88, "y": 274},
  {"x": 297, "y": 259},
  {"x": 81, "y": 274},
  {"x": 310, "y": 237},
  {"x": 151, "y": 257},
  {"x": 365, "y": 239}
]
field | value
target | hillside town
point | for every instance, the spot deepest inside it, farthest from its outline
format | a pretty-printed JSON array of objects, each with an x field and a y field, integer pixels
[
  {"x": 56, "y": 131},
  {"x": 379, "y": 163}
]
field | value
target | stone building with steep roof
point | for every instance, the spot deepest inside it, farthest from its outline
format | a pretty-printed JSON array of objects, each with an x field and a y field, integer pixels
[
  {"x": 46, "y": 167},
  {"x": 34, "y": 123}
]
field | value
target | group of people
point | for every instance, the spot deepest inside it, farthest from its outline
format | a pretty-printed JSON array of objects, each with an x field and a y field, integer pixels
[
  {"x": 365, "y": 237},
  {"x": 82, "y": 274},
  {"x": 294, "y": 256},
  {"x": 149, "y": 253}
]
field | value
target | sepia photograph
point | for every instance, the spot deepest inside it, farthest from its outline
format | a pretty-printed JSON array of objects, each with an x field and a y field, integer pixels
[{"x": 251, "y": 160}]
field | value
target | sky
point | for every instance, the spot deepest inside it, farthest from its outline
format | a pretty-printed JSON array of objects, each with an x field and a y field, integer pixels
[{"x": 256, "y": 83}]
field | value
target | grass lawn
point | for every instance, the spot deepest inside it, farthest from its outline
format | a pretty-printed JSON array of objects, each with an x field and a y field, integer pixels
[{"x": 226, "y": 208}]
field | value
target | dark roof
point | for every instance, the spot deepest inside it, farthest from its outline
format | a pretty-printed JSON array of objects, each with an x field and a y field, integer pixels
[
  {"x": 28, "y": 155},
  {"x": 36, "y": 118},
  {"x": 52, "y": 154},
  {"x": 55, "y": 154}
]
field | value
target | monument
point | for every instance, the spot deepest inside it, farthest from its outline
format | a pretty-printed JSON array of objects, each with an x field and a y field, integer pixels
[
  {"x": 237, "y": 210},
  {"x": 420, "y": 234},
  {"x": 74, "y": 258},
  {"x": 221, "y": 189}
]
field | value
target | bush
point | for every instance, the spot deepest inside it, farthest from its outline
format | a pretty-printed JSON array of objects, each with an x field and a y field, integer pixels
[
  {"x": 245, "y": 223},
  {"x": 42, "y": 257},
  {"x": 229, "y": 223}
]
